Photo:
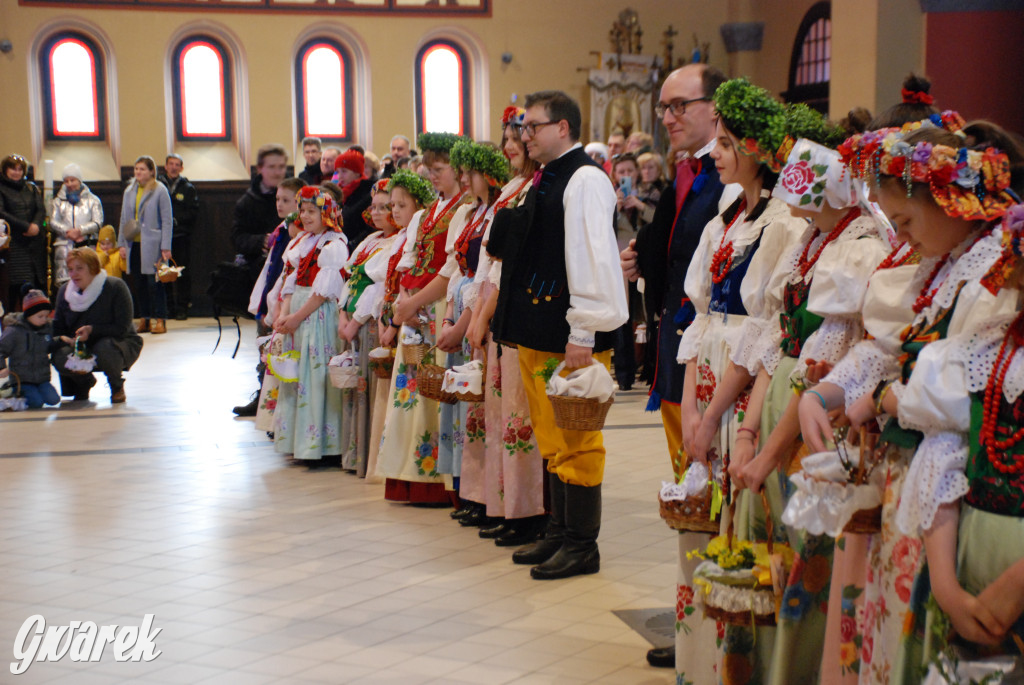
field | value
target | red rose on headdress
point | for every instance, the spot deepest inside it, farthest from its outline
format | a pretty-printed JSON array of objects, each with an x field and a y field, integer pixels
[{"x": 797, "y": 178}]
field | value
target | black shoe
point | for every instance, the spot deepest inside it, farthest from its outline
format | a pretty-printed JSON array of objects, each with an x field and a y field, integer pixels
[
  {"x": 579, "y": 554},
  {"x": 248, "y": 409},
  {"x": 495, "y": 531},
  {"x": 662, "y": 657},
  {"x": 522, "y": 531},
  {"x": 478, "y": 519},
  {"x": 181, "y": 316},
  {"x": 465, "y": 508}
]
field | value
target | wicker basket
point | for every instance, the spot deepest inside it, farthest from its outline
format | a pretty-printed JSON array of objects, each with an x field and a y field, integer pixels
[
  {"x": 750, "y": 618},
  {"x": 82, "y": 361},
  {"x": 344, "y": 377},
  {"x": 383, "y": 366},
  {"x": 414, "y": 354},
  {"x": 166, "y": 273},
  {"x": 474, "y": 397},
  {"x": 580, "y": 413},
  {"x": 430, "y": 381},
  {"x": 865, "y": 521},
  {"x": 15, "y": 402},
  {"x": 692, "y": 514}
]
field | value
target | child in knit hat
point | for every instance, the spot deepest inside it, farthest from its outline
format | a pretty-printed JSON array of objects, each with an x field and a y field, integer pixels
[
  {"x": 25, "y": 348},
  {"x": 110, "y": 256}
]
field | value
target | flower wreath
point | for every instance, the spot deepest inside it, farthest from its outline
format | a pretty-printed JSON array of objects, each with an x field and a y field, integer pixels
[
  {"x": 754, "y": 117},
  {"x": 328, "y": 207},
  {"x": 513, "y": 115},
  {"x": 438, "y": 142},
  {"x": 967, "y": 183},
  {"x": 418, "y": 187},
  {"x": 489, "y": 161},
  {"x": 1013, "y": 250}
]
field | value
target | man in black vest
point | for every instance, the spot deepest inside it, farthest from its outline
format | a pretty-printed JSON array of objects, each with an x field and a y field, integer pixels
[
  {"x": 185, "y": 208},
  {"x": 663, "y": 249},
  {"x": 563, "y": 294}
]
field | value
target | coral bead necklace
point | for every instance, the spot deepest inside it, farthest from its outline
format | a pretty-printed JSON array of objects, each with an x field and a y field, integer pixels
[
  {"x": 721, "y": 262},
  {"x": 805, "y": 264},
  {"x": 998, "y": 451}
]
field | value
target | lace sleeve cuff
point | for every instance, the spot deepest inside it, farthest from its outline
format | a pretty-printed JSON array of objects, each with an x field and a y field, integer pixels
[
  {"x": 689, "y": 345},
  {"x": 935, "y": 477},
  {"x": 755, "y": 345},
  {"x": 861, "y": 369}
]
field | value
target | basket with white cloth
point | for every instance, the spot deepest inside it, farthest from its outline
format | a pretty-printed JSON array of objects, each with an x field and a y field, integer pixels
[
  {"x": 582, "y": 398},
  {"x": 344, "y": 370},
  {"x": 465, "y": 382}
]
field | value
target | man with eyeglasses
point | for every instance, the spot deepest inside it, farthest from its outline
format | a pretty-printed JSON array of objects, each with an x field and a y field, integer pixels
[
  {"x": 663, "y": 249},
  {"x": 561, "y": 295}
]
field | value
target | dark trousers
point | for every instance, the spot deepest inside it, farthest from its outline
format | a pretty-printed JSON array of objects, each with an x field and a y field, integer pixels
[
  {"x": 109, "y": 361},
  {"x": 38, "y": 394},
  {"x": 181, "y": 289},
  {"x": 151, "y": 298}
]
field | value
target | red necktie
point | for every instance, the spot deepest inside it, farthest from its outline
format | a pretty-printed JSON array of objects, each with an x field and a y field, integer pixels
[{"x": 686, "y": 171}]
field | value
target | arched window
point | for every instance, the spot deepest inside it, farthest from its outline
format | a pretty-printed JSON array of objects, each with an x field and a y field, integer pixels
[
  {"x": 73, "y": 88},
  {"x": 810, "y": 65},
  {"x": 442, "y": 88},
  {"x": 323, "y": 72},
  {"x": 201, "y": 86}
]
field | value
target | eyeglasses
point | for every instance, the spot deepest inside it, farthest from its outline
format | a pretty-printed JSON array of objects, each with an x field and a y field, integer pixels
[
  {"x": 531, "y": 128},
  {"x": 677, "y": 107},
  {"x": 380, "y": 208}
]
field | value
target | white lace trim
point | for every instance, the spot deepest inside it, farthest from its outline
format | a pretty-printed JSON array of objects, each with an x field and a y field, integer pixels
[
  {"x": 689, "y": 344},
  {"x": 935, "y": 477},
  {"x": 755, "y": 344},
  {"x": 694, "y": 483},
  {"x": 830, "y": 343},
  {"x": 732, "y": 597},
  {"x": 858, "y": 228},
  {"x": 970, "y": 266},
  {"x": 824, "y": 508},
  {"x": 861, "y": 369},
  {"x": 978, "y": 355}
]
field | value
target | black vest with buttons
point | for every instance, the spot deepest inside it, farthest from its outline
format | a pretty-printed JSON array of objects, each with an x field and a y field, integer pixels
[{"x": 534, "y": 295}]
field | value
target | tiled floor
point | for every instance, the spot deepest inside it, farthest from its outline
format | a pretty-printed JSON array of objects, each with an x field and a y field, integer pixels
[{"x": 261, "y": 572}]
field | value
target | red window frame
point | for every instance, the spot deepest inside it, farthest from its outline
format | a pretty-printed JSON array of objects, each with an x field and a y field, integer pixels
[
  {"x": 347, "y": 84},
  {"x": 178, "y": 82},
  {"x": 463, "y": 84},
  {"x": 49, "y": 87}
]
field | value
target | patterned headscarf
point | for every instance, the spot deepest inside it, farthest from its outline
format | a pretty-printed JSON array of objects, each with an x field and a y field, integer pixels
[{"x": 328, "y": 207}]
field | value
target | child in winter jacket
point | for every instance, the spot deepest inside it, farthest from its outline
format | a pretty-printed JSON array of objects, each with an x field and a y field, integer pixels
[{"x": 25, "y": 348}]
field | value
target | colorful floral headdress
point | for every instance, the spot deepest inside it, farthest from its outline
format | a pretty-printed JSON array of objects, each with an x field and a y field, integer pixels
[
  {"x": 438, "y": 142},
  {"x": 513, "y": 115},
  {"x": 418, "y": 187},
  {"x": 489, "y": 161},
  {"x": 328, "y": 207},
  {"x": 755, "y": 117},
  {"x": 1013, "y": 250},
  {"x": 814, "y": 174},
  {"x": 381, "y": 186},
  {"x": 968, "y": 184}
]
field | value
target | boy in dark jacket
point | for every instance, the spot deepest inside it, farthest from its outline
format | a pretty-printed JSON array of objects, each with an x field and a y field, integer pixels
[{"x": 25, "y": 348}]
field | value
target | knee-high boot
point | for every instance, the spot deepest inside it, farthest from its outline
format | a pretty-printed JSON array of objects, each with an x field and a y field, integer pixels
[
  {"x": 579, "y": 554},
  {"x": 554, "y": 535}
]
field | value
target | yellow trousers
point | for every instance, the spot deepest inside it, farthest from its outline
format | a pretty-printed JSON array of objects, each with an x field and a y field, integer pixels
[
  {"x": 672, "y": 420},
  {"x": 576, "y": 457}
]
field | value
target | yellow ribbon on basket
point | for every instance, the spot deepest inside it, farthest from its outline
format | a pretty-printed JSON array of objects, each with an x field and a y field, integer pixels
[{"x": 716, "y": 500}]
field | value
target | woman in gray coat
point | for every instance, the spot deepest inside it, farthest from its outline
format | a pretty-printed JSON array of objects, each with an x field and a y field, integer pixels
[{"x": 147, "y": 226}]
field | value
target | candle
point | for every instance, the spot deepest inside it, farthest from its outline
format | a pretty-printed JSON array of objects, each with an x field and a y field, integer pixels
[{"x": 48, "y": 173}]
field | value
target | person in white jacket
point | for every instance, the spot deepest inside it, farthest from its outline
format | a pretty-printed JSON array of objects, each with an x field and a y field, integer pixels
[{"x": 75, "y": 220}]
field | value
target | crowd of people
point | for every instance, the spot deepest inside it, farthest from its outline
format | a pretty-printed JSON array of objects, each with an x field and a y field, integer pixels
[{"x": 793, "y": 291}]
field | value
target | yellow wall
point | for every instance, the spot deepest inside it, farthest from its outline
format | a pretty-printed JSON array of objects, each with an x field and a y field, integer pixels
[{"x": 549, "y": 40}]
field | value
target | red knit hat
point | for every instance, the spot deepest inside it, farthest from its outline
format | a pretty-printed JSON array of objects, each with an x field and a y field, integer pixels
[
  {"x": 35, "y": 301},
  {"x": 352, "y": 160}
]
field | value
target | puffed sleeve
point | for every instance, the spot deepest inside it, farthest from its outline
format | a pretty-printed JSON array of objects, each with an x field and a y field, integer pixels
[
  {"x": 755, "y": 344},
  {"x": 935, "y": 477},
  {"x": 597, "y": 289},
  {"x": 458, "y": 224},
  {"x": 329, "y": 281},
  {"x": 408, "y": 259},
  {"x": 697, "y": 285},
  {"x": 367, "y": 303}
]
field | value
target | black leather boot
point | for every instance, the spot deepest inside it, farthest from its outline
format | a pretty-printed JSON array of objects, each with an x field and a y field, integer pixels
[
  {"x": 465, "y": 508},
  {"x": 522, "y": 531},
  {"x": 579, "y": 554},
  {"x": 554, "y": 535},
  {"x": 495, "y": 531}
]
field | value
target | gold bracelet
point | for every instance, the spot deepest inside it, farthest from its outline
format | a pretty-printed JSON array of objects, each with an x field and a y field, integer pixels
[{"x": 881, "y": 397}]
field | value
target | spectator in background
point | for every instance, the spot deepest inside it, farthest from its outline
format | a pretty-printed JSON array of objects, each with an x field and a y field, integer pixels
[
  {"x": 312, "y": 152},
  {"x": 639, "y": 142},
  {"x": 327, "y": 158},
  {"x": 401, "y": 149},
  {"x": 185, "y": 208},
  {"x": 255, "y": 218},
  {"x": 75, "y": 219},
  {"x": 616, "y": 146},
  {"x": 356, "y": 197},
  {"x": 21, "y": 206},
  {"x": 598, "y": 152},
  {"x": 371, "y": 168}
]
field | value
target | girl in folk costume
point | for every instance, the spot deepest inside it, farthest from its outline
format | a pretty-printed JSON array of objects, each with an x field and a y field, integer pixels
[
  {"x": 307, "y": 419},
  {"x": 730, "y": 278},
  {"x": 400, "y": 203},
  {"x": 409, "y": 445},
  {"x": 366, "y": 269},
  {"x": 513, "y": 467},
  {"x": 940, "y": 197},
  {"x": 823, "y": 295},
  {"x": 964, "y": 394},
  {"x": 484, "y": 170}
]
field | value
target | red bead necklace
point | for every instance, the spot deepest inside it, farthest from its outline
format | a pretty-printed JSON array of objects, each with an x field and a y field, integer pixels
[
  {"x": 504, "y": 203},
  {"x": 998, "y": 450},
  {"x": 805, "y": 264},
  {"x": 721, "y": 262},
  {"x": 924, "y": 299},
  {"x": 891, "y": 262}
]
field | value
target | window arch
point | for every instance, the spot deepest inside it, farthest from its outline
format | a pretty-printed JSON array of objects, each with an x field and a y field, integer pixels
[
  {"x": 324, "y": 96},
  {"x": 443, "y": 77},
  {"x": 202, "y": 89},
  {"x": 811, "y": 63},
  {"x": 73, "y": 87}
]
